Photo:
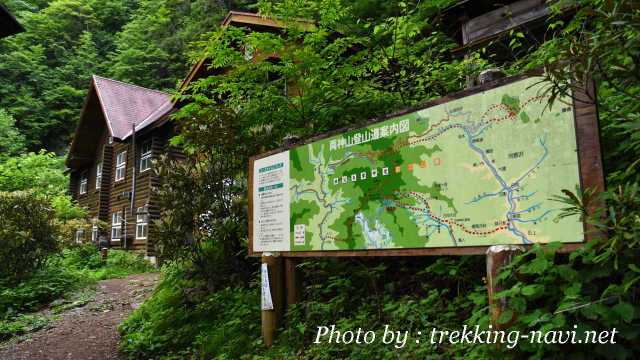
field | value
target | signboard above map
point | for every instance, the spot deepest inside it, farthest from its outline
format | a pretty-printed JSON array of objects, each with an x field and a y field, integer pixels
[{"x": 465, "y": 172}]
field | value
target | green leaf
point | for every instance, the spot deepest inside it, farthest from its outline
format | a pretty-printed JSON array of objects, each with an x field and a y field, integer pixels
[
  {"x": 625, "y": 311},
  {"x": 505, "y": 317},
  {"x": 573, "y": 290},
  {"x": 532, "y": 290},
  {"x": 518, "y": 304},
  {"x": 536, "y": 266}
]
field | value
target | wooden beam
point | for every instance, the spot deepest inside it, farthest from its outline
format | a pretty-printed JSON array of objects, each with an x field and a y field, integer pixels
[
  {"x": 498, "y": 257},
  {"x": 240, "y": 18},
  {"x": 503, "y": 19}
]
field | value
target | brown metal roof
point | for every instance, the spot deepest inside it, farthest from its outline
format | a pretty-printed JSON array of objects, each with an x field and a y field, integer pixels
[
  {"x": 154, "y": 117},
  {"x": 115, "y": 107},
  {"x": 125, "y": 105}
]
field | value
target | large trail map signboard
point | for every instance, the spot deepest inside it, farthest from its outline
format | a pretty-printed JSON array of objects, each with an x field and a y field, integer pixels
[{"x": 476, "y": 171}]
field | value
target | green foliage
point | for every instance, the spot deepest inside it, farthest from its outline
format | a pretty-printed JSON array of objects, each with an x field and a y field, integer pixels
[
  {"x": 183, "y": 315},
  {"x": 57, "y": 286},
  {"x": 12, "y": 142},
  {"x": 202, "y": 218},
  {"x": 21, "y": 325},
  {"x": 151, "y": 48},
  {"x": 600, "y": 44},
  {"x": 46, "y": 69},
  {"x": 37, "y": 291},
  {"x": 41, "y": 172},
  {"x": 66, "y": 209},
  {"x": 321, "y": 81},
  {"x": 183, "y": 319},
  {"x": 28, "y": 234},
  {"x": 87, "y": 261},
  {"x": 440, "y": 293},
  {"x": 593, "y": 288}
]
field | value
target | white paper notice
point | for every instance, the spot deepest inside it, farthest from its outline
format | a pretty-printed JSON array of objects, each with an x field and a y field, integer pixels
[
  {"x": 267, "y": 302},
  {"x": 271, "y": 208},
  {"x": 298, "y": 234}
]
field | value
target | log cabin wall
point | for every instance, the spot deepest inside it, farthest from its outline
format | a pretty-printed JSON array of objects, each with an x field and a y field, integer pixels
[
  {"x": 119, "y": 200},
  {"x": 121, "y": 190},
  {"x": 106, "y": 154},
  {"x": 114, "y": 196},
  {"x": 160, "y": 146},
  {"x": 94, "y": 199}
]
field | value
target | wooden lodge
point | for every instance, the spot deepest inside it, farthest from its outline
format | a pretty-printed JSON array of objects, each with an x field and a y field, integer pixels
[{"x": 122, "y": 129}]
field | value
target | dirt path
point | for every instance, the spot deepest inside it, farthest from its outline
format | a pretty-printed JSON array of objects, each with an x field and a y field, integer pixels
[{"x": 88, "y": 332}]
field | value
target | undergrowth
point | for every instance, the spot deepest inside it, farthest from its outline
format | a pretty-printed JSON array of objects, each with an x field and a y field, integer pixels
[
  {"x": 60, "y": 285},
  {"x": 184, "y": 320}
]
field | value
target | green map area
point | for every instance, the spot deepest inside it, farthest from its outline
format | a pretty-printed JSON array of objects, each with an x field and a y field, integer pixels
[{"x": 475, "y": 171}]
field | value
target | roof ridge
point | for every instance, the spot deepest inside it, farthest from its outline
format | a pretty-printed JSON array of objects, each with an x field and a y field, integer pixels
[{"x": 129, "y": 84}]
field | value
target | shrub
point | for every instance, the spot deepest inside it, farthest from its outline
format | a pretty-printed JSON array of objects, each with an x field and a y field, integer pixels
[
  {"x": 183, "y": 316},
  {"x": 21, "y": 325},
  {"x": 41, "y": 172},
  {"x": 57, "y": 282},
  {"x": 202, "y": 220},
  {"x": 87, "y": 260},
  {"x": 41, "y": 288},
  {"x": 594, "y": 288},
  {"x": 28, "y": 234}
]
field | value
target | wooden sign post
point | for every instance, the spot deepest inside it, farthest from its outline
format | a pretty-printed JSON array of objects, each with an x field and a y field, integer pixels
[
  {"x": 272, "y": 318},
  {"x": 498, "y": 256}
]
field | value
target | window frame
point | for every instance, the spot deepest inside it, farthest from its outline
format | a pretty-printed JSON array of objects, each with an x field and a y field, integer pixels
[
  {"x": 94, "y": 233},
  {"x": 84, "y": 183},
  {"x": 79, "y": 236},
  {"x": 145, "y": 156},
  {"x": 121, "y": 168},
  {"x": 116, "y": 225},
  {"x": 142, "y": 223},
  {"x": 98, "y": 176}
]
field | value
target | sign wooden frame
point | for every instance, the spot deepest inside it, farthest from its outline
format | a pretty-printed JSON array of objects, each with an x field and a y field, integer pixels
[{"x": 589, "y": 161}]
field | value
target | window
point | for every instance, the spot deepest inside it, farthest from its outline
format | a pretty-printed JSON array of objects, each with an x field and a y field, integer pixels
[
  {"x": 79, "y": 235},
  {"x": 98, "y": 176},
  {"x": 94, "y": 233},
  {"x": 116, "y": 225},
  {"x": 83, "y": 183},
  {"x": 142, "y": 223},
  {"x": 145, "y": 156},
  {"x": 121, "y": 162},
  {"x": 248, "y": 52}
]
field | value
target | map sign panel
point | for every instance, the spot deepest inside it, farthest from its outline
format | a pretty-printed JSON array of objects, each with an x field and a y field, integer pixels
[{"x": 476, "y": 171}]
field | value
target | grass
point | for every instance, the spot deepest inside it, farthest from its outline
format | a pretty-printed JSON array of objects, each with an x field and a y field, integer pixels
[
  {"x": 182, "y": 316},
  {"x": 87, "y": 262},
  {"x": 64, "y": 283}
]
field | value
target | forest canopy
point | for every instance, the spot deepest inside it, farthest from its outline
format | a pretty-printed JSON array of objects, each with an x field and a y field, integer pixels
[{"x": 45, "y": 71}]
